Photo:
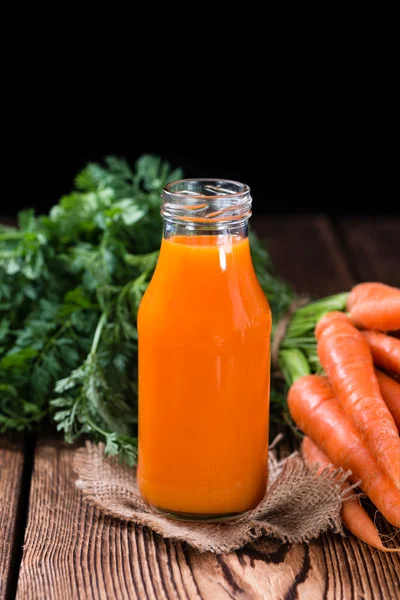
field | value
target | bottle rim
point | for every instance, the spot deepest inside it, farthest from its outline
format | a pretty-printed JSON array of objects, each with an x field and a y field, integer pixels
[
  {"x": 183, "y": 186},
  {"x": 206, "y": 201}
]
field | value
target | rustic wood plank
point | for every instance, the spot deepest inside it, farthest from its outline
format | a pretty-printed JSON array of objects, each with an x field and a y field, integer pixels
[
  {"x": 374, "y": 247},
  {"x": 305, "y": 252},
  {"x": 9, "y": 221},
  {"x": 11, "y": 470},
  {"x": 73, "y": 552}
]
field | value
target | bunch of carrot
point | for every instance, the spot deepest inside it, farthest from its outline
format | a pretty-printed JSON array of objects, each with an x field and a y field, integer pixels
[{"x": 351, "y": 415}]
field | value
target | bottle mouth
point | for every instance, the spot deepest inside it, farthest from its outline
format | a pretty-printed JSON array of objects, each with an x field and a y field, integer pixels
[{"x": 206, "y": 201}]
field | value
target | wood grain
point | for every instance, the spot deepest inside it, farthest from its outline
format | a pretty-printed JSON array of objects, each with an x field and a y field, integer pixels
[
  {"x": 11, "y": 469},
  {"x": 73, "y": 552},
  {"x": 306, "y": 253},
  {"x": 373, "y": 246}
]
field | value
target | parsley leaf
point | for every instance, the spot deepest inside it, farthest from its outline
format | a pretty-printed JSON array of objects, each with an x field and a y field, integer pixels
[{"x": 70, "y": 287}]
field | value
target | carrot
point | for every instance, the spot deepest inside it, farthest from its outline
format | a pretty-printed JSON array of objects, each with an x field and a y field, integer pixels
[
  {"x": 314, "y": 408},
  {"x": 346, "y": 359},
  {"x": 390, "y": 391},
  {"x": 385, "y": 350},
  {"x": 375, "y": 306},
  {"x": 354, "y": 516}
]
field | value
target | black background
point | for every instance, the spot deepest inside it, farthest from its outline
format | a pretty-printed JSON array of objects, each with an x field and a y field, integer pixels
[
  {"x": 288, "y": 176},
  {"x": 302, "y": 144},
  {"x": 61, "y": 164}
]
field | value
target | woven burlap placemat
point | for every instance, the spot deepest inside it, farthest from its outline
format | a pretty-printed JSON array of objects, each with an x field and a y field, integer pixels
[{"x": 299, "y": 504}]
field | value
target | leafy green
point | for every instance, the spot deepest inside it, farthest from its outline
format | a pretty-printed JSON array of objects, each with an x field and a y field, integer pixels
[
  {"x": 298, "y": 351},
  {"x": 70, "y": 287},
  {"x": 278, "y": 292}
]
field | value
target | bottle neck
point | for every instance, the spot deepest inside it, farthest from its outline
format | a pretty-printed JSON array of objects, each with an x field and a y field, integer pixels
[
  {"x": 230, "y": 228},
  {"x": 206, "y": 207}
]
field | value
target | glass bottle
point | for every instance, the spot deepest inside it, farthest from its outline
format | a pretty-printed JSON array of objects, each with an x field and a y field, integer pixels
[{"x": 204, "y": 359}]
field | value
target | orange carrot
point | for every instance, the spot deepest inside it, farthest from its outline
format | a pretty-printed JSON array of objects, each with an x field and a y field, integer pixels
[
  {"x": 390, "y": 390},
  {"x": 353, "y": 515},
  {"x": 385, "y": 350},
  {"x": 316, "y": 411},
  {"x": 375, "y": 306},
  {"x": 346, "y": 359}
]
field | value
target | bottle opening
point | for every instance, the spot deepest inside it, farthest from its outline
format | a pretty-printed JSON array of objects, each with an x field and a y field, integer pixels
[{"x": 206, "y": 201}]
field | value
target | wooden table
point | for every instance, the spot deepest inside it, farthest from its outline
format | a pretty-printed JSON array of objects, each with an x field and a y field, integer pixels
[{"x": 53, "y": 546}]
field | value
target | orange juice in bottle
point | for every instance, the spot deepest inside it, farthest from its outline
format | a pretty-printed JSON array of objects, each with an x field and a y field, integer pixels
[{"x": 204, "y": 359}]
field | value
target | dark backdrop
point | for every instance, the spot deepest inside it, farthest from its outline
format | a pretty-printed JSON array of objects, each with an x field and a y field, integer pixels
[
  {"x": 278, "y": 185},
  {"x": 298, "y": 152}
]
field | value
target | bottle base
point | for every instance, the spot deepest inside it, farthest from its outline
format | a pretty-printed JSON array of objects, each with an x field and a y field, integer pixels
[{"x": 198, "y": 517}]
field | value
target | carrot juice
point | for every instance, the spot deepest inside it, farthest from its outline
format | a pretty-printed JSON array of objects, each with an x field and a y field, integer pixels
[{"x": 204, "y": 326}]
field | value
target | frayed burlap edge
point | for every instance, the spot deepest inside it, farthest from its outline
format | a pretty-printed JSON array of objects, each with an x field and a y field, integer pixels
[{"x": 299, "y": 504}]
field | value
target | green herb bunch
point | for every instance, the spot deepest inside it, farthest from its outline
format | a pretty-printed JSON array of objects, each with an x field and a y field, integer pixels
[{"x": 70, "y": 287}]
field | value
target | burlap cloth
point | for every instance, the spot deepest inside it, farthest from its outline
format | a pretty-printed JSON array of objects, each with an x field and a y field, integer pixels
[{"x": 298, "y": 506}]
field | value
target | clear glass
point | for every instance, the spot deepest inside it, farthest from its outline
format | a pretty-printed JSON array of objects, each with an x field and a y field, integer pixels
[
  {"x": 204, "y": 328},
  {"x": 206, "y": 206}
]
